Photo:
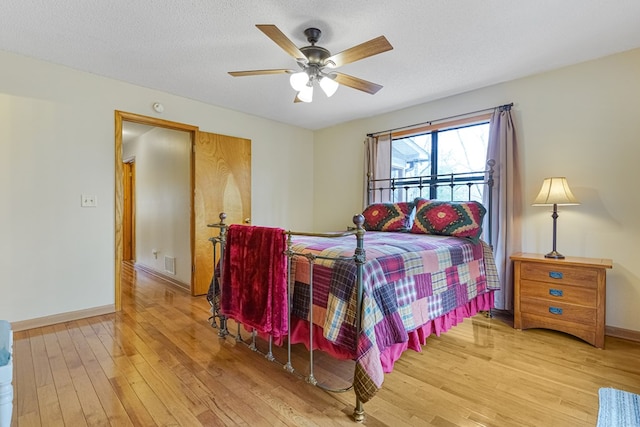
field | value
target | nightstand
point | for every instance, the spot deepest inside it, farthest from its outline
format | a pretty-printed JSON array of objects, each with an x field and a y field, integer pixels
[{"x": 565, "y": 295}]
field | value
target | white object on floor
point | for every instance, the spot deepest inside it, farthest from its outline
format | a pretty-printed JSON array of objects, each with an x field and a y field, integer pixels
[
  {"x": 6, "y": 373},
  {"x": 618, "y": 408}
]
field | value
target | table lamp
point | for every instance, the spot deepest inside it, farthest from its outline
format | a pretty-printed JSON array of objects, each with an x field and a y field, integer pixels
[{"x": 555, "y": 191}]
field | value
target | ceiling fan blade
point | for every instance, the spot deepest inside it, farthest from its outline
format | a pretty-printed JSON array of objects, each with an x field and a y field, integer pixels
[
  {"x": 357, "y": 83},
  {"x": 259, "y": 72},
  {"x": 361, "y": 51},
  {"x": 281, "y": 40}
]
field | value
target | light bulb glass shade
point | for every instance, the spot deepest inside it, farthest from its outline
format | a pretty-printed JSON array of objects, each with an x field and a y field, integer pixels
[
  {"x": 299, "y": 80},
  {"x": 306, "y": 94},
  {"x": 555, "y": 191},
  {"x": 328, "y": 85}
]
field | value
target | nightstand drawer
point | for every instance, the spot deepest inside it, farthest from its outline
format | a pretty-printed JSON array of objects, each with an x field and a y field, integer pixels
[
  {"x": 567, "y": 295},
  {"x": 585, "y": 277},
  {"x": 559, "y": 311},
  {"x": 556, "y": 292}
]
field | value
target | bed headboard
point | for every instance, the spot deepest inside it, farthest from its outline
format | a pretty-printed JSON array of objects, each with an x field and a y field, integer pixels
[{"x": 463, "y": 186}]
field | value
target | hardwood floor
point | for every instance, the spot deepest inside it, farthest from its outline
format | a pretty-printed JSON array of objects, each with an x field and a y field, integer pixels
[{"x": 159, "y": 362}]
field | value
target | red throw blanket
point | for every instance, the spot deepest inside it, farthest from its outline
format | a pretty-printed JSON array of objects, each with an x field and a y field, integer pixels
[{"x": 254, "y": 282}]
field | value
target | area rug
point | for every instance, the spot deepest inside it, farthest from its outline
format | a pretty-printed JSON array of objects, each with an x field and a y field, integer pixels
[{"x": 618, "y": 408}]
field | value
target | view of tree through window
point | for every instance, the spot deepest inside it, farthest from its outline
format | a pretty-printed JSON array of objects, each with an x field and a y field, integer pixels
[{"x": 446, "y": 151}]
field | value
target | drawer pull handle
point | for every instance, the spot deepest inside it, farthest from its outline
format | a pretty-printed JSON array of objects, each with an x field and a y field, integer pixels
[
  {"x": 555, "y": 292},
  {"x": 555, "y": 275},
  {"x": 555, "y": 310}
]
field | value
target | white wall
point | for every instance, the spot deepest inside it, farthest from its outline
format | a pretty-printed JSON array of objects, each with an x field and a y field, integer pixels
[
  {"x": 57, "y": 142},
  {"x": 582, "y": 122},
  {"x": 162, "y": 200}
]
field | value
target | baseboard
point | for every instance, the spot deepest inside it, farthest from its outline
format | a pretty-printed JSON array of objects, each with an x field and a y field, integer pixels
[
  {"x": 182, "y": 286},
  {"x": 62, "y": 317},
  {"x": 626, "y": 334}
]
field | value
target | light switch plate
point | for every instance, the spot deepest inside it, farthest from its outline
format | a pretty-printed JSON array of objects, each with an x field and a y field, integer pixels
[{"x": 88, "y": 201}]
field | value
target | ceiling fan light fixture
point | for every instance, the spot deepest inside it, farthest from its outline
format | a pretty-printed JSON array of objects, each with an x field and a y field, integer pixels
[
  {"x": 306, "y": 94},
  {"x": 313, "y": 59},
  {"x": 328, "y": 85},
  {"x": 299, "y": 80}
]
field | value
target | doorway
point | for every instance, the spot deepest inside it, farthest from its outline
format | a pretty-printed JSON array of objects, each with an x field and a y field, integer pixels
[
  {"x": 120, "y": 118},
  {"x": 220, "y": 181},
  {"x": 129, "y": 214}
]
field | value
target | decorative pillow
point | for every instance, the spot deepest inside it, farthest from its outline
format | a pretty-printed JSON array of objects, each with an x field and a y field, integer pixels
[
  {"x": 459, "y": 219},
  {"x": 388, "y": 216}
]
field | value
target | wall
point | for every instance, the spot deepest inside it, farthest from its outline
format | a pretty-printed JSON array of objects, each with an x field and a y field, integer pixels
[
  {"x": 582, "y": 122},
  {"x": 57, "y": 142},
  {"x": 162, "y": 200}
]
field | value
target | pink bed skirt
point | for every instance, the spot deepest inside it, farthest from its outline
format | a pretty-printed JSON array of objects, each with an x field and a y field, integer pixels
[{"x": 417, "y": 337}]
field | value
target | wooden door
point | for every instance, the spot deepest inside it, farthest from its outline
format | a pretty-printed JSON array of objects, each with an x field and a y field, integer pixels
[
  {"x": 222, "y": 184},
  {"x": 129, "y": 218}
]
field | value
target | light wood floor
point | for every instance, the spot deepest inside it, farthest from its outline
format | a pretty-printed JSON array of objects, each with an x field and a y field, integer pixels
[{"x": 159, "y": 362}]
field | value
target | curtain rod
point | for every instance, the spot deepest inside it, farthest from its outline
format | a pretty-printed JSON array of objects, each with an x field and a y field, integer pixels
[{"x": 505, "y": 106}]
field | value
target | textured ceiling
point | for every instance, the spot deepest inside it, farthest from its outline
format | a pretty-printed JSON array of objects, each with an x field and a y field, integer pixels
[{"x": 440, "y": 47}]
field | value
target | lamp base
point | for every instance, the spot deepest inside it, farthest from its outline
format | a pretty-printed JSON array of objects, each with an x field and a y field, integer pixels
[{"x": 554, "y": 254}]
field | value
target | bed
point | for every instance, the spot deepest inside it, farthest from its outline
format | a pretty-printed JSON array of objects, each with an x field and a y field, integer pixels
[{"x": 404, "y": 271}]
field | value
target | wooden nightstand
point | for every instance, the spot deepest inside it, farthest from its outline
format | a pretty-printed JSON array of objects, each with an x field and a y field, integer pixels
[{"x": 565, "y": 295}]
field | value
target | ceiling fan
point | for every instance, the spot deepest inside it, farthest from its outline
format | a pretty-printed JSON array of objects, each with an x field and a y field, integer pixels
[{"x": 317, "y": 63}]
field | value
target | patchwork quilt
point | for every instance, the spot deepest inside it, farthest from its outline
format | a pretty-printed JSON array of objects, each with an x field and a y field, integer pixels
[{"x": 409, "y": 279}]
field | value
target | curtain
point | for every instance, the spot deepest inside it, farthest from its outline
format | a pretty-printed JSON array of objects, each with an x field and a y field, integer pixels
[
  {"x": 377, "y": 166},
  {"x": 507, "y": 201}
]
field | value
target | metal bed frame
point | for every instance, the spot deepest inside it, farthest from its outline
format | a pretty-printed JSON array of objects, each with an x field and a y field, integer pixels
[
  {"x": 219, "y": 320},
  {"x": 400, "y": 188}
]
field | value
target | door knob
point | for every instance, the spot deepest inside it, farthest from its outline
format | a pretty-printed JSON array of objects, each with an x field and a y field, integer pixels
[{"x": 247, "y": 220}]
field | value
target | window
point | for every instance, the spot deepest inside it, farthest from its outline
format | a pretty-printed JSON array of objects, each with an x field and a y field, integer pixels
[{"x": 421, "y": 159}]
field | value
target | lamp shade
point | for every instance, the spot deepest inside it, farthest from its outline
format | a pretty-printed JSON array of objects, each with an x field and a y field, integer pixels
[
  {"x": 328, "y": 85},
  {"x": 299, "y": 80},
  {"x": 306, "y": 94},
  {"x": 555, "y": 191}
]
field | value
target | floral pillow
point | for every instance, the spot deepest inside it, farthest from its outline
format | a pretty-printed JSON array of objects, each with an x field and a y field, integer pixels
[
  {"x": 459, "y": 219},
  {"x": 388, "y": 216}
]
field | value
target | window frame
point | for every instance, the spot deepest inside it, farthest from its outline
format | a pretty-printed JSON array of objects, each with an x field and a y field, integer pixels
[{"x": 435, "y": 180}]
